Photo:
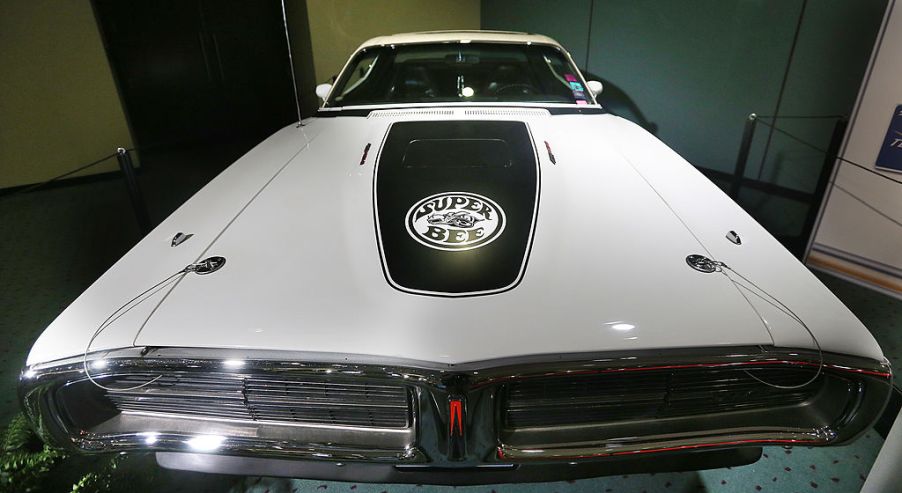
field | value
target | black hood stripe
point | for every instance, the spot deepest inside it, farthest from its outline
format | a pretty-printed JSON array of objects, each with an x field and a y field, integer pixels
[{"x": 455, "y": 205}]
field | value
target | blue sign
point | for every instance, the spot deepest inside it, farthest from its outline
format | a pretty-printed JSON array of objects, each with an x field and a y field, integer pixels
[{"x": 890, "y": 156}]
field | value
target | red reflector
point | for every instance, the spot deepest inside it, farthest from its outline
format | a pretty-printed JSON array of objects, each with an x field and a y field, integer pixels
[
  {"x": 550, "y": 154},
  {"x": 366, "y": 150},
  {"x": 455, "y": 409}
]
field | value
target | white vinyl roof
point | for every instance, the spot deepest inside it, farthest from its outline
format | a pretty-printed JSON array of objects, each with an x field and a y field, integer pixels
[{"x": 459, "y": 36}]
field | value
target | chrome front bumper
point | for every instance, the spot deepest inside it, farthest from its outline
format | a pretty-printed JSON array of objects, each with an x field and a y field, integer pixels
[{"x": 58, "y": 400}]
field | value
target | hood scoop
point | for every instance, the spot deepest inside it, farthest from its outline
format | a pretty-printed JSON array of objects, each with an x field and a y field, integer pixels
[{"x": 455, "y": 205}]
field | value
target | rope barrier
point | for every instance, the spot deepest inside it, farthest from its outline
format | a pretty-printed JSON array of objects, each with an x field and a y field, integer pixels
[
  {"x": 816, "y": 148},
  {"x": 58, "y": 177},
  {"x": 802, "y": 117},
  {"x": 144, "y": 148}
]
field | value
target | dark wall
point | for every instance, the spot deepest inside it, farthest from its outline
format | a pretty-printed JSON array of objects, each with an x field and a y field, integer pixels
[
  {"x": 692, "y": 71},
  {"x": 191, "y": 70}
]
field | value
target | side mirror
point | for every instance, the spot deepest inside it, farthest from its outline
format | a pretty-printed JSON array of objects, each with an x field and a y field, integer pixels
[
  {"x": 322, "y": 90},
  {"x": 595, "y": 87}
]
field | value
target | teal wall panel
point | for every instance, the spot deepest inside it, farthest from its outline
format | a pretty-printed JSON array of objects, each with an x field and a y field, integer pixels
[
  {"x": 832, "y": 53},
  {"x": 693, "y": 70},
  {"x": 567, "y": 22}
]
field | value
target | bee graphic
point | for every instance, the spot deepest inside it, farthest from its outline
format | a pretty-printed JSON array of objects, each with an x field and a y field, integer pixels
[{"x": 459, "y": 219}]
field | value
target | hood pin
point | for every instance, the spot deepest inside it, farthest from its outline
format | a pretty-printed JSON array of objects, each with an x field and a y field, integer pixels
[
  {"x": 208, "y": 265},
  {"x": 702, "y": 264}
]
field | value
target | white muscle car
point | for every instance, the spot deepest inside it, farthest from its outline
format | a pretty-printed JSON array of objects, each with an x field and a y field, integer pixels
[{"x": 462, "y": 270}]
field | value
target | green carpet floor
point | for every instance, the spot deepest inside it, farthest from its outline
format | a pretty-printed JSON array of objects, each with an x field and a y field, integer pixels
[{"x": 55, "y": 242}]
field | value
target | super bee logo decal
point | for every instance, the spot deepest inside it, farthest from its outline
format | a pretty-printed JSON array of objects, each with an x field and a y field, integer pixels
[
  {"x": 445, "y": 227},
  {"x": 455, "y": 221}
]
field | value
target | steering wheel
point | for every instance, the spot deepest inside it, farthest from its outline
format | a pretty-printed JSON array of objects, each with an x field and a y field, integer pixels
[{"x": 524, "y": 89}]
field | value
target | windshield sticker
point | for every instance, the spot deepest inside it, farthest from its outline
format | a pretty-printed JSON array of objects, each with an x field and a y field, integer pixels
[
  {"x": 579, "y": 94},
  {"x": 455, "y": 221}
]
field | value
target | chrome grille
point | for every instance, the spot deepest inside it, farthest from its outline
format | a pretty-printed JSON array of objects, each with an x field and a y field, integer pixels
[
  {"x": 311, "y": 401},
  {"x": 612, "y": 397},
  {"x": 266, "y": 398}
]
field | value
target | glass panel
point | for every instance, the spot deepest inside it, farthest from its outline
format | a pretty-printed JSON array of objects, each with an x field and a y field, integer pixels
[{"x": 458, "y": 72}]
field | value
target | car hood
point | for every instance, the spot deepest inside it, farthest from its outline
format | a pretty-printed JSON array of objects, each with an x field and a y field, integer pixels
[
  {"x": 304, "y": 272},
  {"x": 604, "y": 264}
]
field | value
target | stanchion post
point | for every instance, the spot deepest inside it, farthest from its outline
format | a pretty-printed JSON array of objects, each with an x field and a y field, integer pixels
[
  {"x": 823, "y": 180},
  {"x": 134, "y": 193},
  {"x": 748, "y": 133}
]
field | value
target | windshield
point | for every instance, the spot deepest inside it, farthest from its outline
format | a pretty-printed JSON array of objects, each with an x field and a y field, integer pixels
[{"x": 459, "y": 72}]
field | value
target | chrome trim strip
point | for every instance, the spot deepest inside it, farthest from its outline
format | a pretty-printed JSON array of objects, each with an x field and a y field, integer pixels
[
  {"x": 426, "y": 371},
  {"x": 397, "y": 438},
  {"x": 247, "y": 446},
  {"x": 594, "y": 451}
]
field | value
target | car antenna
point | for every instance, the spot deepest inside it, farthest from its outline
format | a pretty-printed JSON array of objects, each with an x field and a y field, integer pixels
[{"x": 294, "y": 84}]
